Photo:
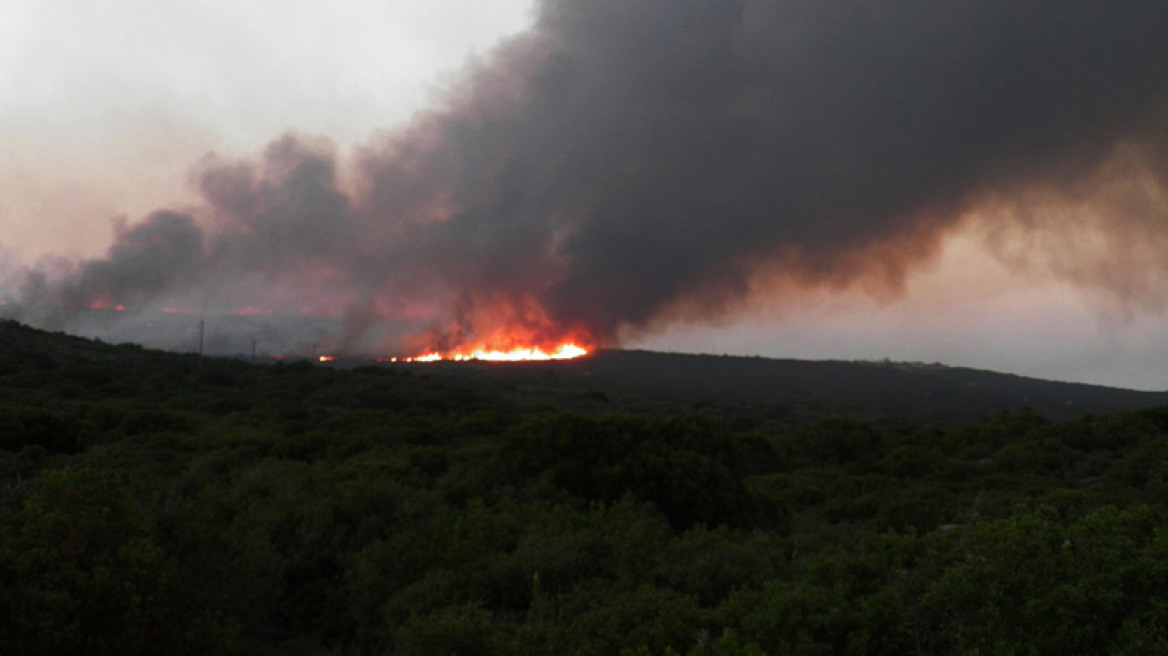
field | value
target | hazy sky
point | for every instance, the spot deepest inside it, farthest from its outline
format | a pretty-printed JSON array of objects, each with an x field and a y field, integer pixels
[{"x": 106, "y": 107}]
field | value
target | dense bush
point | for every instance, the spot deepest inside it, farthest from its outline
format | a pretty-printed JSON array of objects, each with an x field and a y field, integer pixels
[{"x": 152, "y": 503}]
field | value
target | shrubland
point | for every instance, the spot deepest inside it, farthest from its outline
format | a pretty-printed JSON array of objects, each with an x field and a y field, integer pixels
[{"x": 164, "y": 503}]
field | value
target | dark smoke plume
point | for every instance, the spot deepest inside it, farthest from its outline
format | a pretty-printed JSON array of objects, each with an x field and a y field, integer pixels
[{"x": 629, "y": 162}]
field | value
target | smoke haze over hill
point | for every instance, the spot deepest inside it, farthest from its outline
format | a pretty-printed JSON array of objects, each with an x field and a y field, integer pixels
[{"x": 627, "y": 165}]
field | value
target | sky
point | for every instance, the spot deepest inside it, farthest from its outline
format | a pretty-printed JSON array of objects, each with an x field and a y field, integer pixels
[
  {"x": 1036, "y": 248},
  {"x": 104, "y": 107}
]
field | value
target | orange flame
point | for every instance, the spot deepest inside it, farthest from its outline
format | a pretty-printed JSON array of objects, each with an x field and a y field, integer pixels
[
  {"x": 499, "y": 328},
  {"x": 567, "y": 351},
  {"x": 105, "y": 304}
]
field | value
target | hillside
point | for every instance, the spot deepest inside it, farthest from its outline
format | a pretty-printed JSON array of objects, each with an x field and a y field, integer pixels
[
  {"x": 931, "y": 393},
  {"x": 792, "y": 390},
  {"x": 162, "y": 503}
]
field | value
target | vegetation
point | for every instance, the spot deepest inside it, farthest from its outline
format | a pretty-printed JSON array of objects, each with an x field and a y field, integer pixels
[{"x": 161, "y": 503}]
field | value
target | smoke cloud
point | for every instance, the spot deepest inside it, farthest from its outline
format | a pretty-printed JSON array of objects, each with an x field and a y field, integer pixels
[{"x": 628, "y": 163}]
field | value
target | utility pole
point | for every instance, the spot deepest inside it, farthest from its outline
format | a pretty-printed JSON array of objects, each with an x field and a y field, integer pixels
[
  {"x": 253, "y": 351},
  {"x": 201, "y": 322}
]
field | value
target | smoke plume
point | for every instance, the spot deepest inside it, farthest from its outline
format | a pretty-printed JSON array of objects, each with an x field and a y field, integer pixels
[{"x": 632, "y": 162}]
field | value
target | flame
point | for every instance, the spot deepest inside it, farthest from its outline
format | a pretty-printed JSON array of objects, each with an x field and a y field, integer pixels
[
  {"x": 105, "y": 304},
  {"x": 562, "y": 352},
  {"x": 566, "y": 351},
  {"x": 326, "y": 358},
  {"x": 504, "y": 327}
]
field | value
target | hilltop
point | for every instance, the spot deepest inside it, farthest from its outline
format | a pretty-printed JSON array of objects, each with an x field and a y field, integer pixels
[
  {"x": 157, "y": 502},
  {"x": 928, "y": 392},
  {"x": 795, "y": 390}
]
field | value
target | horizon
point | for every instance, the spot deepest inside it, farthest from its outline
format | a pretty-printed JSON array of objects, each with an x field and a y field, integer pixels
[
  {"x": 237, "y": 345},
  {"x": 1021, "y": 232}
]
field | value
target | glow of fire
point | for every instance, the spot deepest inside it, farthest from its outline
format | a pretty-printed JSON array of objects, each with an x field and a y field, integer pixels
[
  {"x": 102, "y": 304},
  {"x": 326, "y": 358},
  {"x": 561, "y": 352}
]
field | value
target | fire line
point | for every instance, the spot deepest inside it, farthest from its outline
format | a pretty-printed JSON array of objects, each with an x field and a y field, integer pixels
[{"x": 562, "y": 352}]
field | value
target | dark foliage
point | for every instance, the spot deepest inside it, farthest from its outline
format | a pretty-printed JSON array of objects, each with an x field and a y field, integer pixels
[{"x": 157, "y": 503}]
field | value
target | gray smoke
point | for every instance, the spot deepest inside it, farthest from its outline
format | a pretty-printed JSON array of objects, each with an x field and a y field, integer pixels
[{"x": 628, "y": 162}]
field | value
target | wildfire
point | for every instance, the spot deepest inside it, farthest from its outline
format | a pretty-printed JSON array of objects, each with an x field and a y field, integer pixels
[
  {"x": 104, "y": 304},
  {"x": 522, "y": 354}
]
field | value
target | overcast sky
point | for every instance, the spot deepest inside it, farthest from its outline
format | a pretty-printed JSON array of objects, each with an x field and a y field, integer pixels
[{"x": 106, "y": 106}]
